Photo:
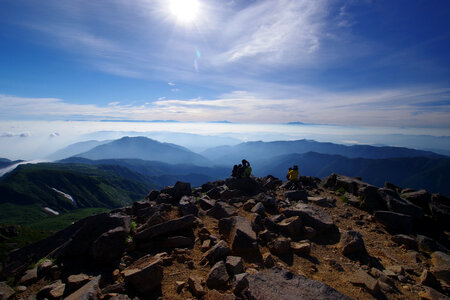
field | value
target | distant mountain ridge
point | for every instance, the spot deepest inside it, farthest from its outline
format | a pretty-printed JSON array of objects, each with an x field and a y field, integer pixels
[
  {"x": 76, "y": 148},
  {"x": 145, "y": 149},
  {"x": 261, "y": 150}
]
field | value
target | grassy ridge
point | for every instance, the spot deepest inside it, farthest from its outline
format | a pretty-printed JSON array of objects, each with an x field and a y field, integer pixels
[{"x": 90, "y": 186}]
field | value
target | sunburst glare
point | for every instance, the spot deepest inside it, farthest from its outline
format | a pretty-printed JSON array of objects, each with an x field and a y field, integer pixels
[{"x": 185, "y": 11}]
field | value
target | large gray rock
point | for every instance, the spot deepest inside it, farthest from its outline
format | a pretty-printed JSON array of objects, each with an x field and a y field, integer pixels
[
  {"x": 352, "y": 243},
  {"x": 441, "y": 266},
  {"x": 165, "y": 228},
  {"x": 311, "y": 216},
  {"x": 241, "y": 235},
  {"x": 372, "y": 200},
  {"x": 29, "y": 277},
  {"x": 440, "y": 210},
  {"x": 89, "y": 291},
  {"x": 406, "y": 240},
  {"x": 217, "y": 276},
  {"x": 292, "y": 226},
  {"x": 234, "y": 265},
  {"x": 188, "y": 205},
  {"x": 109, "y": 246},
  {"x": 403, "y": 206},
  {"x": 362, "y": 278},
  {"x": 75, "y": 282},
  {"x": 277, "y": 283},
  {"x": 296, "y": 195},
  {"x": 428, "y": 245},
  {"x": 420, "y": 198},
  {"x": 177, "y": 191},
  {"x": 216, "y": 253},
  {"x": 350, "y": 184},
  {"x": 206, "y": 203},
  {"x": 5, "y": 291},
  {"x": 221, "y": 210},
  {"x": 145, "y": 278},
  {"x": 395, "y": 221}
]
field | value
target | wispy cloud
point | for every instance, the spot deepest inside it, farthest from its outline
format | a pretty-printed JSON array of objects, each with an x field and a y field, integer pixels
[
  {"x": 276, "y": 31},
  {"x": 398, "y": 107}
]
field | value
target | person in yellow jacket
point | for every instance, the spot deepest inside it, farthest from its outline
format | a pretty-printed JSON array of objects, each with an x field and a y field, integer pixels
[{"x": 292, "y": 175}]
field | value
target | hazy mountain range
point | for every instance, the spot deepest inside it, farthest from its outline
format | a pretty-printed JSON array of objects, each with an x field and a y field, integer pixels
[{"x": 115, "y": 173}]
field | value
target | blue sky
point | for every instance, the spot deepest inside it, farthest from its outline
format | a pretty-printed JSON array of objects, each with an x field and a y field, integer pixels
[{"x": 355, "y": 63}]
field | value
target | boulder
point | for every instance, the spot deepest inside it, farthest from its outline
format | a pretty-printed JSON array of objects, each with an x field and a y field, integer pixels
[
  {"x": 301, "y": 248},
  {"x": 164, "y": 198},
  {"x": 216, "y": 253},
  {"x": 5, "y": 291},
  {"x": 217, "y": 276},
  {"x": 441, "y": 266},
  {"x": 371, "y": 198},
  {"x": 427, "y": 278},
  {"x": 271, "y": 182},
  {"x": 352, "y": 243},
  {"x": 404, "y": 207},
  {"x": 420, "y": 198},
  {"x": 43, "y": 269},
  {"x": 349, "y": 184},
  {"x": 206, "y": 203},
  {"x": 268, "y": 260},
  {"x": 322, "y": 201},
  {"x": 259, "y": 209},
  {"x": 292, "y": 226},
  {"x": 145, "y": 277},
  {"x": 188, "y": 206},
  {"x": 29, "y": 277},
  {"x": 109, "y": 246},
  {"x": 403, "y": 239},
  {"x": 195, "y": 285},
  {"x": 427, "y": 245},
  {"x": 181, "y": 189},
  {"x": 52, "y": 291},
  {"x": 152, "y": 195},
  {"x": 75, "y": 282},
  {"x": 240, "y": 283},
  {"x": 241, "y": 235},
  {"x": 296, "y": 195},
  {"x": 278, "y": 283},
  {"x": 395, "y": 221},
  {"x": 311, "y": 216},
  {"x": 279, "y": 246},
  {"x": 440, "y": 210},
  {"x": 214, "y": 193},
  {"x": 89, "y": 291},
  {"x": 170, "y": 242},
  {"x": 362, "y": 278},
  {"x": 234, "y": 265},
  {"x": 221, "y": 210},
  {"x": 165, "y": 228}
]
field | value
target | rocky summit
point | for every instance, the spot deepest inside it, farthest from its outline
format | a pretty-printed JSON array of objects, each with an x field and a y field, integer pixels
[{"x": 252, "y": 238}]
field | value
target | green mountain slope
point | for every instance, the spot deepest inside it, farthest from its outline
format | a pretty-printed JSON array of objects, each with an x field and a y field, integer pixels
[{"x": 90, "y": 186}]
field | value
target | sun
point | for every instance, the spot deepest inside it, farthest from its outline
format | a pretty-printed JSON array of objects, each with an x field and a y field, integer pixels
[{"x": 185, "y": 11}]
